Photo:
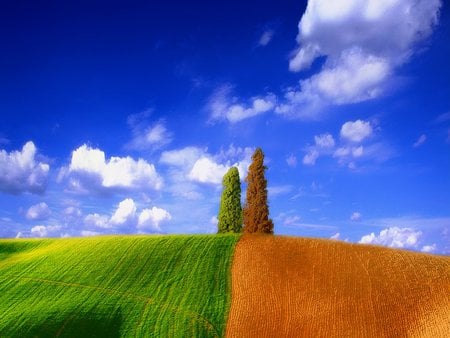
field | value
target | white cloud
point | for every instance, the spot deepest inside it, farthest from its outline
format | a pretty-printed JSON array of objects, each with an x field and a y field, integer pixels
[
  {"x": 87, "y": 233},
  {"x": 152, "y": 137},
  {"x": 355, "y": 216},
  {"x": 150, "y": 219},
  {"x": 223, "y": 106},
  {"x": 197, "y": 165},
  {"x": 46, "y": 231},
  {"x": 388, "y": 28},
  {"x": 205, "y": 170},
  {"x": 356, "y": 131},
  {"x": 344, "y": 153},
  {"x": 291, "y": 161},
  {"x": 125, "y": 212},
  {"x": 364, "y": 41},
  {"x": 421, "y": 140},
  {"x": 324, "y": 141},
  {"x": 443, "y": 118},
  {"x": 429, "y": 248},
  {"x": 89, "y": 170},
  {"x": 289, "y": 220},
  {"x": 266, "y": 37},
  {"x": 323, "y": 145},
  {"x": 214, "y": 221},
  {"x": 336, "y": 236},
  {"x": 292, "y": 220},
  {"x": 279, "y": 190},
  {"x": 348, "y": 151},
  {"x": 97, "y": 221},
  {"x": 38, "y": 211},
  {"x": 351, "y": 78},
  {"x": 394, "y": 237},
  {"x": 126, "y": 217},
  {"x": 71, "y": 211},
  {"x": 311, "y": 157},
  {"x": 184, "y": 157},
  {"x": 20, "y": 172}
]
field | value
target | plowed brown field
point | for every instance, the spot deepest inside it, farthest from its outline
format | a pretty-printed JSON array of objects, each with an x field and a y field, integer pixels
[{"x": 298, "y": 287}]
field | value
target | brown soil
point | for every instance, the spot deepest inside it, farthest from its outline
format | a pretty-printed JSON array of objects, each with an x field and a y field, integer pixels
[{"x": 298, "y": 287}]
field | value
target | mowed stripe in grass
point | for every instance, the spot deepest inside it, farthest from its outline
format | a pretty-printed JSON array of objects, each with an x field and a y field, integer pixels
[
  {"x": 304, "y": 287},
  {"x": 133, "y": 286}
]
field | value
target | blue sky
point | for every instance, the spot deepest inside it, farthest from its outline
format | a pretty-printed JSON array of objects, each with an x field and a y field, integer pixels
[{"x": 122, "y": 117}]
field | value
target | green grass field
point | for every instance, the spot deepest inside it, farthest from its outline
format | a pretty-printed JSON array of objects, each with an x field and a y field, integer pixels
[{"x": 139, "y": 286}]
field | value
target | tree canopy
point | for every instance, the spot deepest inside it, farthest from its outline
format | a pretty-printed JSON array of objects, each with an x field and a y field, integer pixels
[
  {"x": 256, "y": 210},
  {"x": 230, "y": 212}
]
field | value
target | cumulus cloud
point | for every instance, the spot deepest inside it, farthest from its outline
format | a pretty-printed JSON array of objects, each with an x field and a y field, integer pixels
[
  {"x": 355, "y": 216},
  {"x": 214, "y": 221},
  {"x": 38, "y": 211},
  {"x": 363, "y": 42},
  {"x": 127, "y": 218},
  {"x": 197, "y": 165},
  {"x": 347, "y": 155},
  {"x": 348, "y": 150},
  {"x": 146, "y": 136},
  {"x": 356, "y": 131},
  {"x": 311, "y": 157},
  {"x": 223, "y": 106},
  {"x": 291, "y": 161},
  {"x": 97, "y": 221},
  {"x": 208, "y": 170},
  {"x": 89, "y": 170},
  {"x": 150, "y": 219},
  {"x": 429, "y": 248},
  {"x": 71, "y": 211},
  {"x": 125, "y": 212},
  {"x": 353, "y": 77},
  {"x": 266, "y": 37},
  {"x": 336, "y": 236},
  {"x": 21, "y": 172},
  {"x": 184, "y": 157},
  {"x": 88, "y": 233},
  {"x": 325, "y": 141},
  {"x": 323, "y": 144},
  {"x": 421, "y": 140},
  {"x": 395, "y": 237},
  {"x": 205, "y": 170},
  {"x": 45, "y": 231}
]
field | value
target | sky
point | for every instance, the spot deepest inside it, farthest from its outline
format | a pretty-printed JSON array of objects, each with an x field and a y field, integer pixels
[{"x": 122, "y": 117}]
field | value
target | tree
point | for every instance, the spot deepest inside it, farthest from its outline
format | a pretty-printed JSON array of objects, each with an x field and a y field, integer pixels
[
  {"x": 256, "y": 210},
  {"x": 230, "y": 212}
]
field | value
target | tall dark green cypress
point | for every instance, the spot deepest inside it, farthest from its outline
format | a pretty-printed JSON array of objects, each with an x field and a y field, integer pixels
[
  {"x": 230, "y": 212},
  {"x": 256, "y": 210}
]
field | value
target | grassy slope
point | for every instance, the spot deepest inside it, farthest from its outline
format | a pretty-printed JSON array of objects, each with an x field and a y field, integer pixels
[
  {"x": 304, "y": 287},
  {"x": 115, "y": 286}
]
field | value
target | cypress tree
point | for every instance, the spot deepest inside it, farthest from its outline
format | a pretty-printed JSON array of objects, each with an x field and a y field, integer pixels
[
  {"x": 256, "y": 210},
  {"x": 230, "y": 212}
]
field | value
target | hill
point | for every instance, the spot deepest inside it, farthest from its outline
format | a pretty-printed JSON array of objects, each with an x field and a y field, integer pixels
[
  {"x": 182, "y": 286},
  {"x": 115, "y": 286},
  {"x": 298, "y": 287}
]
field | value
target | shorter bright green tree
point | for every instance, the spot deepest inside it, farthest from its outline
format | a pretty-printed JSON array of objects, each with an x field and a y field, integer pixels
[{"x": 230, "y": 212}]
